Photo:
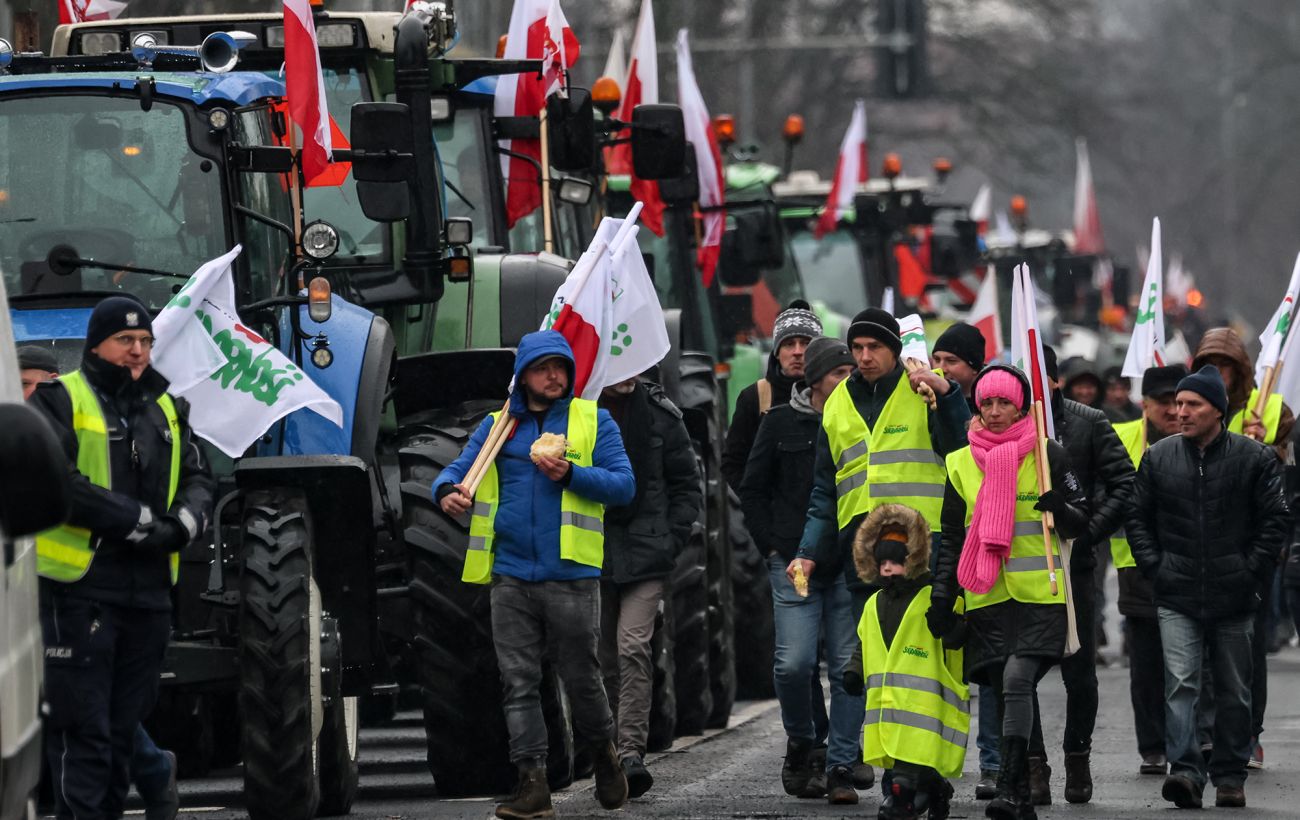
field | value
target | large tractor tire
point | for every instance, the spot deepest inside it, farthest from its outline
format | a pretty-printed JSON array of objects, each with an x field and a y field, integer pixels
[
  {"x": 279, "y": 659},
  {"x": 689, "y": 585},
  {"x": 456, "y": 664},
  {"x": 339, "y": 737},
  {"x": 751, "y": 588},
  {"x": 663, "y": 694}
]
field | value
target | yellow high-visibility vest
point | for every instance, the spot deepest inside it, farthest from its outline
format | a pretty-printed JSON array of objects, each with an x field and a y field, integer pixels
[
  {"x": 1272, "y": 416},
  {"x": 1130, "y": 435},
  {"x": 582, "y": 521},
  {"x": 65, "y": 553},
  {"x": 918, "y": 709},
  {"x": 1024, "y": 576},
  {"x": 893, "y": 464}
]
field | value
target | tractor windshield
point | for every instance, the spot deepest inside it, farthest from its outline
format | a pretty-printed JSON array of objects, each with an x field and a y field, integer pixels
[
  {"x": 464, "y": 148},
  {"x": 108, "y": 182},
  {"x": 832, "y": 270}
]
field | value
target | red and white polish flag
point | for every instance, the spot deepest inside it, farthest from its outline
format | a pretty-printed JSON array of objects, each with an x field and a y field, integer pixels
[
  {"x": 641, "y": 86},
  {"x": 305, "y": 87},
  {"x": 1087, "y": 222},
  {"x": 523, "y": 95},
  {"x": 850, "y": 172},
  {"x": 1027, "y": 341},
  {"x": 981, "y": 208},
  {"x": 708, "y": 159},
  {"x": 85, "y": 11},
  {"x": 984, "y": 315}
]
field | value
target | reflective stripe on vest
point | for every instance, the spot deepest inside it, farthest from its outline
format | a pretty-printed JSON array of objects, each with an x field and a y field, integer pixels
[
  {"x": 1024, "y": 575},
  {"x": 894, "y": 463},
  {"x": 917, "y": 708},
  {"x": 65, "y": 553},
  {"x": 1272, "y": 416},
  {"x": 1130, "y": 435},
  {"x": 582, "y": 521}
]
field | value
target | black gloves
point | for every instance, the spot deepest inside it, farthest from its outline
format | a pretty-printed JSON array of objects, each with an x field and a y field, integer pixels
[
  {"x": 940, "y": 618},
  {"x": 853, "y": 681},
  {"x": 1052, "y": 502},
  {"x": 165, "y": 535}
]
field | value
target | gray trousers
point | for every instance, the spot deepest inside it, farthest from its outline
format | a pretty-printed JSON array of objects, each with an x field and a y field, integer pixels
[
  {"x": 627, "y": 625},
  {"x": 559, "y": 620}
]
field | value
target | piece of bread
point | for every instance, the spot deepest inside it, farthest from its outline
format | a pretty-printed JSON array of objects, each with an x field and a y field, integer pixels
[{"x": 550, "y": 445}]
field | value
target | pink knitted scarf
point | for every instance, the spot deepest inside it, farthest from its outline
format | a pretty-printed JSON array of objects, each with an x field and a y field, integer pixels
[{"x": 992, "y": 526}]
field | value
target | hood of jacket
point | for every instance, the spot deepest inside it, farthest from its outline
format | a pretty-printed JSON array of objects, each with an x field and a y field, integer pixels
[
  {"x": 1224, "y": 341},
  {"x": 533, "y": 347},
  {"x": 918, "y": 541}
]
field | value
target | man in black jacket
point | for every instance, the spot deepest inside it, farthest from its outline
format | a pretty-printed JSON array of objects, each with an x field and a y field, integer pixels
[
  {"x": 794, "y": 328},
  {"x": 774, "y": 497},
  {"x": 141, "y": 492},
  {"x": 1207, "y": 524},
  {"x": 642, "y": 541},
  {"x": 1105, "y": 472}
]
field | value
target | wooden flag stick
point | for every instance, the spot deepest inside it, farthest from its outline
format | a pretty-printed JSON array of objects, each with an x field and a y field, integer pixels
[
  {"x": 497, "y": 437},
  {"x": 924, "y": 391},
  {"x": 1044, "y": 475},
  {"x": 548, "y": 228}
]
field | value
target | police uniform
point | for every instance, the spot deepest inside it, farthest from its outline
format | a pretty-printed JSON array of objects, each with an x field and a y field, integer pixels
[{"x": 141, "y": 491}]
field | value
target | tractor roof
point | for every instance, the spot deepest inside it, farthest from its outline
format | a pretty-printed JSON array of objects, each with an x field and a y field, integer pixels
[{"x": 198, "y": 87}]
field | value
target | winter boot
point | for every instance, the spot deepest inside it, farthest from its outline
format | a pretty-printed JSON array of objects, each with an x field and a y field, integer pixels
[
  {"x": 839, "y": 786},
  {"x": 941, "y": 792},
  {"x": 795, "y": 769},
  {"x": 532, "y": 797},
  {"x": 901, "y": 802},
  {"x": 611, "y": 783},
  {"x": 1011, "y": 802},
  {"x": 1024, "y": 793},
  {"x": 1040, "y": 781},
  {"x": 816, "y": 785},
  {"x": 1078, "y": 777},
  {"x": 639, "y": 779}
]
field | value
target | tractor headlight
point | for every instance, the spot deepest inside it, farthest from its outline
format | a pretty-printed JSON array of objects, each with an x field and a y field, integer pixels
[{"x": 320, "y": 240}]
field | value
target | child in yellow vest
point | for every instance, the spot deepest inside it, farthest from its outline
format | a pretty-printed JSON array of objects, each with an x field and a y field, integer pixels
[{"x": 917, "y": 702}]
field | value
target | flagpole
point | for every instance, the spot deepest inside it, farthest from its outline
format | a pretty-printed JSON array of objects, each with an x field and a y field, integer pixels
[
  {"x": 548, "y": 229},
  {"x": 295, "y": 190}
]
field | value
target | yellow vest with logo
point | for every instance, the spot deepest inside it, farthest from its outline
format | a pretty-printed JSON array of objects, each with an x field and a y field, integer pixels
[
  {"x": 918, "y": 709},
  {"x": 1024, "y": 576},
  {"x": 1130, "y": 435},
  {"x": 1272, "y": 416},
  {"x": 64, "y": 553},
  {"x": 582, "y": 521},
  {"x": 893, "y": 464}
]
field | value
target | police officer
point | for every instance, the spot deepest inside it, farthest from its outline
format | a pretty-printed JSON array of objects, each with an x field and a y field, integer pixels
[{"x": 141, "y": 491}]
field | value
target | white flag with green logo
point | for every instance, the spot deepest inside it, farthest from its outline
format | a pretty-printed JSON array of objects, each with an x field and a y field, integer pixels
[
  {"x": 911, "y": 329},
  {"x": 1276, "y": 331},
  {"x": 1147, "y": 346},
  {"x": 237, "y": 383}
]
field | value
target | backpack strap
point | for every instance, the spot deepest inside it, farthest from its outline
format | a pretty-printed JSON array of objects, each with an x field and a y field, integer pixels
[{"x": 764, "y": 396}]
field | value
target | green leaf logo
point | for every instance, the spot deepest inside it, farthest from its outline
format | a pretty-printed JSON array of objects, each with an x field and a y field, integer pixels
[{"x": 622, "y": 340}]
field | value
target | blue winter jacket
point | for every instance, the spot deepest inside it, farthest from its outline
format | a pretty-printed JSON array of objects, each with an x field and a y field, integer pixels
[{"x": 528, "y": 518}]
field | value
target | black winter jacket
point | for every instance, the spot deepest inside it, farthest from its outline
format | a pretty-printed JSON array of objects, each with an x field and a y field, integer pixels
[
  {"x": 1100, "y": 462},
  {"x": 1207, "y": 528},
  {"x": 140, "y": 465},
  {"x": 643, "y": 539},
  {"x": 745, "y": 420}
]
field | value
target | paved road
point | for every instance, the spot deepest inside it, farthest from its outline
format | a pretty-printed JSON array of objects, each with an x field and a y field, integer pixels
[{"x": 734, "y": 773}]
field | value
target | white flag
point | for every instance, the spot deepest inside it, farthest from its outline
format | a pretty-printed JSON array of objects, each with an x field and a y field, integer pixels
[
  {"x": 236, "y": 395},
  {"x": 1276, "y": 333},
  {"x": 911, "y": 329},
  {"x": 1287, "y": 382},
  {"x": 1147, "y": 347},
  {"x": 887, "y": 301},
  {"x": 1027, "y": 341},
  {"x": 984, "y": 315}
]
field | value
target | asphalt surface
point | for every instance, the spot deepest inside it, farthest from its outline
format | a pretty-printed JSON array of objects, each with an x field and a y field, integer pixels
[{"x": 735, "y": 773}]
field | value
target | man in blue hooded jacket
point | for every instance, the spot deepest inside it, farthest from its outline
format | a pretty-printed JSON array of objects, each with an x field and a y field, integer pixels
[{"x": 536, "y": 533}]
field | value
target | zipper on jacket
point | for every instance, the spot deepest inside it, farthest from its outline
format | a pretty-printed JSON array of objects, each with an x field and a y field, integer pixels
[{"x": 1200, "y": 516}]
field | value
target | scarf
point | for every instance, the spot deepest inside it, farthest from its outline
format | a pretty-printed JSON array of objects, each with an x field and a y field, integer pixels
[{"x": 992, "y": 526}]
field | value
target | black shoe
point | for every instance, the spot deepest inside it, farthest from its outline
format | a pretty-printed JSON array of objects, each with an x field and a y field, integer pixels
[
  {"x": 1011, "y": 802},
  {"x": 611, "y": 783},
  {"x": 532, "y": 797},
  {"x": 987, "y": 786},
  {"x": 940, "y": 800},
  {"x": 1230, "y": 797},
  {"x": 815, "y": 788},
  {"x": 795, "y": 770},
  {"x": 839, "y": 786},
  {"x": 639, "y": 779},
  {"x": 166, "y": 804},
  {"x": 900, "y": 804},
  {"x": 864, "y": 777},
  {"x": 1181, "y": 791},
  {"x": 1040, "y": 781},
  {"x": 1154, "y": 764},
  {"x": 1078, "y": 777}
]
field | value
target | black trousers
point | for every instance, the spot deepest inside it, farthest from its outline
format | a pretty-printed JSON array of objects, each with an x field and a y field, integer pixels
[
  {"x": 1079, "y": 673},
  {"x": 101, "y": 679},
  {"x": 1259, "y": 648},
  {"x": 1146, "y": 676}
]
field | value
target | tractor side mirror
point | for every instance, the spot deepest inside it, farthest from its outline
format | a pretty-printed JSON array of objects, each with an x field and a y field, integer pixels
[
  {"x": 684, "y": 189},
  {"x": 733, "y": 270},
  {"x": 737, "y": 314},
  {"x": 658, "y": 141},
  {"x": 572, "y": 127},
  {"x": 35, "y": 497},
  {"x": 759, "y": 234},
  {"x": 382, "y": 159}
]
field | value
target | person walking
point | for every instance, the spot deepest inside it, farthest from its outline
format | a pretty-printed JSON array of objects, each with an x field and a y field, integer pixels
[
  {"x": 643, "y": 540},
  {"x": 1100, "y": 463},
  {"x": 537, "y": 536},
  {"x": 992, "y": 546},
  {"x": 918, "y": 709},
  {"x": 1136, "y": 601},
  {"x": 774, "y": 496},
  {"x": 1207, "y": 524},
  {"x": 142, "y": 490},
  {"x": 879, "y": 443}
]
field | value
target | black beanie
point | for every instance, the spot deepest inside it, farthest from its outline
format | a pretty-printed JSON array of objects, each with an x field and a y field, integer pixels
[
  {"x": 33, "y": 357},
  {"x": 965, "y": 342},
  {"x": 876, "y": 324},
  {"x": 1049, "y": 363},
  {"x": 823, "y": 355},
  {"x": 796, "y": 320},
  {"x": 113, "y": 315},
  {"x": 888, "y": 549},
  {"x": 1161, "y": 381},
  {"x": 1209, "y": 384}
]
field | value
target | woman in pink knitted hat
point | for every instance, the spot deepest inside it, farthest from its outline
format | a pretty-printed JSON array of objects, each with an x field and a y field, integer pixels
[{"x": 992, "y": 548}]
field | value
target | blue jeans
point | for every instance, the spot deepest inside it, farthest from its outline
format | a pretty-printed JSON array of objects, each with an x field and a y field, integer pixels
[
  {"x": 990, "y": 730},
  {"x": 826, "y": 614},
  {"x": 1184, "y": 640}
]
